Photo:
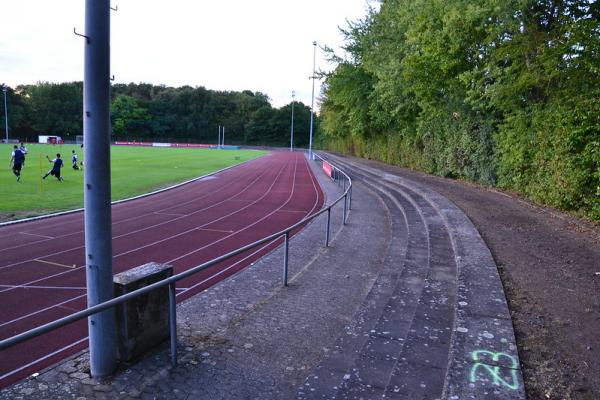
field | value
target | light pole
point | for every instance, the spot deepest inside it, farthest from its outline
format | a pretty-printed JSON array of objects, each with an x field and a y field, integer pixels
[
  {"x": 4, "y": 89},
  {"x": 292, "y": 131},
  {"x": 96, "y": 186},
  {"x": 312, "y": 102}
]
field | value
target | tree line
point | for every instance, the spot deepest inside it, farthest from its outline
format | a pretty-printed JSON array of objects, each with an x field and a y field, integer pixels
[
  {"x": 501, "y": 92},
  {"x": 145, "y": 112}
]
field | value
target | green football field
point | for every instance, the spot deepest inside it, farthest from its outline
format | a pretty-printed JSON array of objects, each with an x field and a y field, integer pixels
[{"x": 134, "y": 170}]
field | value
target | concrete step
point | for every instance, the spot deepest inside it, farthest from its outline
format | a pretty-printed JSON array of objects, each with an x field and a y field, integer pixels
[
  {"x": 376, "y": 354},
  {"x": 418, "y": 343}
]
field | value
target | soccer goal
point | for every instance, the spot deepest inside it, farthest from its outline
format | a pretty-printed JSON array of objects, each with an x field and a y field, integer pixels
[{"x": 79, "y": 139}]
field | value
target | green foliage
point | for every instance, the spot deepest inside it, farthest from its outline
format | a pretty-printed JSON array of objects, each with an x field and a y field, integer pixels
[
  {"x": 503, "y": 92},
  {"x": 128, "y": 116},
  {"x": 52, "y": 109},
  {"x": 158, "y": 113}
]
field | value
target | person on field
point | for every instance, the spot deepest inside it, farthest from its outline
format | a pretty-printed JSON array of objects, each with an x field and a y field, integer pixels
[
  {"x": 16, "y": 161},
  {"x": 24, "y": 151},
  {"x": 57, "y": 165},
  {"x": 74, "y": 160}
]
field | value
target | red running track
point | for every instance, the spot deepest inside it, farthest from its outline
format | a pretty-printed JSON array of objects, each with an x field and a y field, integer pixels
[{"x": 42, "y": 274}]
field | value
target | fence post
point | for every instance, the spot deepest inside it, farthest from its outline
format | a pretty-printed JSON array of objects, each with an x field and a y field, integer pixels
[
  {"x": 328, "y": 224},
  {"x": 345, "y": 206},
  {"x": 285, "y": 258},
  {"x": 350, "y": 199},
  {"x": 173, "y": 323}
]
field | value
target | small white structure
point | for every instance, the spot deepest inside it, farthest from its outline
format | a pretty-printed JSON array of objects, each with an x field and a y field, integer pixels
[{"x": 49, "y": 139}]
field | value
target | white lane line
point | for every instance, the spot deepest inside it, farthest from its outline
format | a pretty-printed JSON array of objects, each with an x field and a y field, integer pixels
[
  {"x": 209, "y": 193},
  {"x": 260, "y": 248},
  {"x": 42, "y": 279},
  {"x": 182, "y": 290},
  {"x": 35, "y": 234},
  {"x": 44, "y": 287},
  {"x": 169, "y": 214},
  {"x": 228, "y": 268},
  {"x": 41, "y": 310},
  {"x": 213, "y": 230},
  {"x": 202, "y": 226},
  {"x": 76, "y": 248},
  {"x": 147, "y": 227},
  {"x": 14, "y": 371},
  {"x": 57, "y": 264},
  {"x": 296, "y": 211},
  {"x": 247, "y": 226},
  {"x": 274, "y": 181}
]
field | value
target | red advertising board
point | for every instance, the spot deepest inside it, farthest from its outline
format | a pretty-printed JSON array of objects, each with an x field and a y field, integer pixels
[{"x": 328, "y": 169}]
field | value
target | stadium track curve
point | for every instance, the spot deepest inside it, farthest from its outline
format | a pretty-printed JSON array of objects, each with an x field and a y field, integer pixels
[{"x": 42, "y": 276}]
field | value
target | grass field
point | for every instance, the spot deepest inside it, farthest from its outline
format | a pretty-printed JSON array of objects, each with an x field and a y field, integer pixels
[{"x": 134, "y": 170}]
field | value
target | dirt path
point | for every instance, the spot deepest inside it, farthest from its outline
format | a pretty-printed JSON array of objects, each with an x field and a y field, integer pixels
[{"x": 550, "y": 267}]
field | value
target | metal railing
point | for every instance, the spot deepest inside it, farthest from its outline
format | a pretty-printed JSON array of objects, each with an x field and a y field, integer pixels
[{"x": 171, "y": 281}]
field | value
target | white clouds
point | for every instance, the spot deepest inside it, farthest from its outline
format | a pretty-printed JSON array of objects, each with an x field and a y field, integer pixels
[{"x": 260, "y": 45}]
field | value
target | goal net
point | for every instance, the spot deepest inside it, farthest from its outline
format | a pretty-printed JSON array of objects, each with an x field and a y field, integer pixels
[{"x": 79, "y": 139}]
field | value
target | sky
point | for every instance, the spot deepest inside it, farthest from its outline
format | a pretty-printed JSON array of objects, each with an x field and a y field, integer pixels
[{"x": 258, "y": 45}]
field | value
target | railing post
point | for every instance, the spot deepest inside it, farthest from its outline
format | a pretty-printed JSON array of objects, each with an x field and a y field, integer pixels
[
  {"x": 344, "y": 184},
  {"x": 285, "y": 258},
  {"x": 350, "y": 198},
  {"x": 345, "y": 206},
  {"x": 173, "y": 323},
  {"x": 328, "y": 225}
]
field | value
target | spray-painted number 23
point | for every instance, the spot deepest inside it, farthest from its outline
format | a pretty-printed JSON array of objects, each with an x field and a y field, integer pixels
[{"x": 481, "y": 356}]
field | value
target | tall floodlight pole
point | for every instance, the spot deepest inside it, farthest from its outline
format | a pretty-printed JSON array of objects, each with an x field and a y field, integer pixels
[
  {"x": 312, "y": 102},
  {"x": 4, "y": 89},
  {"x": 223, "y": 140},
  {"x": 292, "y": 129},
  {"x": 98, "y": 234}
]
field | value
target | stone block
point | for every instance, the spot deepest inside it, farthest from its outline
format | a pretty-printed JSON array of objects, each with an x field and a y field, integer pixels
[{"x": 142, "y": 322}]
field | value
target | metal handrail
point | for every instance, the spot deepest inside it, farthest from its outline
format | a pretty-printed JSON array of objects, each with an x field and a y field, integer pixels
[{"x": 171, "y": 281}]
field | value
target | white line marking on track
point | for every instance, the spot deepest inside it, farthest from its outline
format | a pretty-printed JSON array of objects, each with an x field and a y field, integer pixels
[
  {"x": 44, "y": 287},
  {"x": 14, "y": 371},
  {"x": 169, "y": 214},
  {"x": 209, "y": 193},
  {"x": 71, "y": 309},
  {"x": 206, "y": 224},
  {"x": 42, "y": 279},
  {"x": 246, "y": 227},
  {"x": 57, "y": 264},
  {"x": 181, "y": 290},
  {"x": 36, "y": 235},
  {"x": 214, "y": 230},
  {"x": 228, "y": 268},
  {"x": 42, "y": 310},
  {"x": 259, "y": 249},
  {"x": 152, "y": 226}
]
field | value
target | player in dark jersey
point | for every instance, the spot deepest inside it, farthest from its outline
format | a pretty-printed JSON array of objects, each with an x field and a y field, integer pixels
[
  {"x": 55, "y": 171},
  {"x": 74, "y": 160},
  {"x": 24, "y": 151},
  {"x": 16, "y": 162}
]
